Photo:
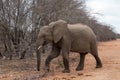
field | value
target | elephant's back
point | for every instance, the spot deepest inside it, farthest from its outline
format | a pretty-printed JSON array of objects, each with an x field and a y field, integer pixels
[
  {"x": 81, "y": 30},
  {"x": 82, "y": 37}
]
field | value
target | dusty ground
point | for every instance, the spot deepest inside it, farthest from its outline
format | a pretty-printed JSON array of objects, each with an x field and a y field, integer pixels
[{"x": 109, "y": 53}]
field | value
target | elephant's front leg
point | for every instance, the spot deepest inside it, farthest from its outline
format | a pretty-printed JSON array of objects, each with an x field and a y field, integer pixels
[
  {"x": 65, "y": 54},
  {"x": 54, "y": 53},
  {"x": 66, "y": 61}
]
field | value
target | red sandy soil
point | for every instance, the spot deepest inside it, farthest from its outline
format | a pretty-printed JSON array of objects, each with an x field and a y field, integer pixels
[{"x": 25, "y": 69}]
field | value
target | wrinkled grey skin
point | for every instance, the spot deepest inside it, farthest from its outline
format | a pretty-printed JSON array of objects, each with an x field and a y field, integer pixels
[{"x": 65, "y": 38}]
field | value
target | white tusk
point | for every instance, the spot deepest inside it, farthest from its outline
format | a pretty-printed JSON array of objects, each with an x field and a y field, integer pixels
[{"x": 39, "y": 47}]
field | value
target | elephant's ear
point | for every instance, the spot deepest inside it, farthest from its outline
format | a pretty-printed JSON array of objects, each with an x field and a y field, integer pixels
[{"x": 59, "y": 30}]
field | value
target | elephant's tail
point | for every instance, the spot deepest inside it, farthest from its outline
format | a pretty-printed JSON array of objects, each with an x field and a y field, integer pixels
[{"x": 94, "y": 49}]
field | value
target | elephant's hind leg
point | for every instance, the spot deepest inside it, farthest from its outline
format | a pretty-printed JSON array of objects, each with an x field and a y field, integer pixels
[
  {"x": 98, "y": 61},
  {"x": 94, "y": 52},
  {"x": 81, "y": 62}
]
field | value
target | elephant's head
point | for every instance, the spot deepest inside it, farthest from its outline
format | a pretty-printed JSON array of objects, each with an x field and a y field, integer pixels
[{"x": 52, "y": 33}]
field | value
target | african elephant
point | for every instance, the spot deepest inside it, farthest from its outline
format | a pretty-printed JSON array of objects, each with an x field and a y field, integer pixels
[{"x": 65, "y": 38}]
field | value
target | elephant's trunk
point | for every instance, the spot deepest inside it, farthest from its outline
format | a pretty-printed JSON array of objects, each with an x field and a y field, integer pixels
[
  {"x": 39, "y": 50},
  {"x": 38, "y": 59}
]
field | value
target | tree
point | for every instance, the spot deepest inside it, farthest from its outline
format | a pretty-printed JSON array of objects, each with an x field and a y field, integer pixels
[{"x": 20, "y": 21}]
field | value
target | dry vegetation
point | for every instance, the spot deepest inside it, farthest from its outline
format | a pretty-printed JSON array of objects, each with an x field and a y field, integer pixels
[
  {"x": 25, "y": 69},
  {"x": 20, "y": 21}
]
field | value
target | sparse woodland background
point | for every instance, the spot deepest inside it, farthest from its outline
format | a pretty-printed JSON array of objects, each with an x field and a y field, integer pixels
[{"x": 20, "y": 21}]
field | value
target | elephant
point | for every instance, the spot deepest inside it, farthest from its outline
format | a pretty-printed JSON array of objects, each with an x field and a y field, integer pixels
[{"x": 66, "y": 38}]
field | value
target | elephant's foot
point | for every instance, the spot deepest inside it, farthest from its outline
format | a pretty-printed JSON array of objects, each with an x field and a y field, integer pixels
[
  {"x": 79, "y": 68},
  {"x": 66, "y": 71},
  {"x": 99, "y": 66}
]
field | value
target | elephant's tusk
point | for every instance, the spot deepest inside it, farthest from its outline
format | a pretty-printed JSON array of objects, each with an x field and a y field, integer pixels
[{"x": 39, "y": 47}]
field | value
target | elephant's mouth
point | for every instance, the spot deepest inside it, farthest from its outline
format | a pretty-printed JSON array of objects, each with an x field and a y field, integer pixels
[{"x": 42, "y": 47}]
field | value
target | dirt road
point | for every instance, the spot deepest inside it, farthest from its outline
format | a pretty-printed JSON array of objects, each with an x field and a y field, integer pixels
[{"x": 109, "y": 53}]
